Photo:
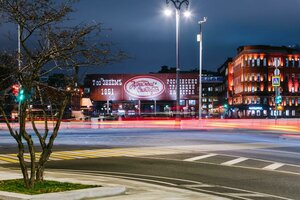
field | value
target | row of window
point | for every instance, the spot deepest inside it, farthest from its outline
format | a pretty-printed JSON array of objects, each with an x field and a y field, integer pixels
[
  {"x": 259, "y": 77},
  {"x": 261, "y": 88},
  {"x": 286, "y": 101},
  {"x": 194, "y": 102},
  {"x": 273, "y": 62},
  {"x": 260, "y": 113}
]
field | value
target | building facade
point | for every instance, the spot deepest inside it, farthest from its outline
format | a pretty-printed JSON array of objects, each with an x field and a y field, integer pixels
[
  {"x": 152, "y": 94},
  {"x": 250, "y": 90}
]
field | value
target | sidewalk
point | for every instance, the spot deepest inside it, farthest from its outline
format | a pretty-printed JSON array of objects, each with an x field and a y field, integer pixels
[{"x": 134, "y": 190}]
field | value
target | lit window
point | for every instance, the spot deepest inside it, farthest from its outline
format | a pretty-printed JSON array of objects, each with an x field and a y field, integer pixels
[
  {"x": 265, "y": 100},
  {"x": 258, "y": 62},
  {"x": 287, "y": 112},
  {"x": 265, "y": 113},
  {"x": 299, "y": 62},
  {"x": 253, "y": 62},
  {"x": 293, "y": 63},
  {"x": 258, "y": 113},
  {"x": 258, "y": 100},
  {"x": 265, "y": 62},
  {"x": 258, "y": 77},
  {"x": 286, "y": 62},
  {"x": 182, "y": 102},
  {"x": 192, "y": 102}
]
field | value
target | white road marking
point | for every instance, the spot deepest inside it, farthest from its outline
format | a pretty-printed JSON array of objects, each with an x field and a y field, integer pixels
[
  {"x": 247, "y": 194},
  {"x": 273, "y": 166},
  {"x": 235, "y": 161},
  {"x": 200, "y": 157}
]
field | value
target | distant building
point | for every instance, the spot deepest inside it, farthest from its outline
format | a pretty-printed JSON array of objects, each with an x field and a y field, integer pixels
[
  {"x": 152, "y": 94},
  {"x": 250, "y": 90}
]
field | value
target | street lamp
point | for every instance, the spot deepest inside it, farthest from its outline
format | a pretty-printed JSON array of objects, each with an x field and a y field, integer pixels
[
  {"x": 177, "y": 4},
  {"x": 199, "y": 38}
]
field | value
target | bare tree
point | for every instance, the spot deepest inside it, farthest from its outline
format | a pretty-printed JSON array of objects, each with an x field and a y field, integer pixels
[{"x": 47, "y": 45}]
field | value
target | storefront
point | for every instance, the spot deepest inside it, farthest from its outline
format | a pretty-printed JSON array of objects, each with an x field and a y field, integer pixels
[{"x": 249, "y": 111}]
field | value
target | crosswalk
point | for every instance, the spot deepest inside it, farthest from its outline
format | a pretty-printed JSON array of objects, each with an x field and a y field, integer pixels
[
  {"x": 94, "y": 153},
  {"x": 235, "y": 161},
  {"x": 161, "y": 153}
]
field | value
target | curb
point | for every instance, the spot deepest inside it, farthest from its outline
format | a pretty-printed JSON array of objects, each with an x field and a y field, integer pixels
[{"x": 68, "y": 195}]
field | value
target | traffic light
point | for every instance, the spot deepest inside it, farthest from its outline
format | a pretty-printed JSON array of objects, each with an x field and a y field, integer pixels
[
  {"x": 21, "y": 96},
  {"x": 225, "y": 106},
  {"x": 278, "y": 99},
  {"x": 15, "y": 89}
]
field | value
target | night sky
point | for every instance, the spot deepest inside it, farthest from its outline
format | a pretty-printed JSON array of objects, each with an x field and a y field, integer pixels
[{"x": 140, "y": 28}]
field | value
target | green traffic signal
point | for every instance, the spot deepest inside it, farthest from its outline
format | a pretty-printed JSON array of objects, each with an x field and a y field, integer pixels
[
  {"x": 21, "y": 96},
  {"x": 225, "y": 106}
]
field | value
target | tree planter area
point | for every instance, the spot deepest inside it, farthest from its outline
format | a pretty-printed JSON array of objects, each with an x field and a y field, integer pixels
[
  {"x": 14, "y": 190},
  {"x": 17, "y": 186}
]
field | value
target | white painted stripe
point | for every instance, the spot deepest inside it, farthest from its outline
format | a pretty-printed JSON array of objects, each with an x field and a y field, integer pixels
[
  {"x": 235, "y": 161},
  {"x": 200, "y": 157},
  {"x": 247, "y": 194},
  {"x": 273, "y": 166}
]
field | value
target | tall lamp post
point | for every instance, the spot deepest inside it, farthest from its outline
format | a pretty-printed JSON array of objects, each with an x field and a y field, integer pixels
[
  {"x": 199, "y": 38},
  {"x": 177, "y": 4}
]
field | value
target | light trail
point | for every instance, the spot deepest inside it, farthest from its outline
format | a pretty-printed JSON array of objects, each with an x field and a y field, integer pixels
[{"x": 290, "y": 126}]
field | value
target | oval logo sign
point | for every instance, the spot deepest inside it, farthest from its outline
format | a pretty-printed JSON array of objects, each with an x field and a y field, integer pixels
[{"x": 144, "y": 87}]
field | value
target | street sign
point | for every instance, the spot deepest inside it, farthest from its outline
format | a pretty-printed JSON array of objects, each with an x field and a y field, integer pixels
[
  {"x": 276, "y": 81},
  {"x": 276, "y": 72}
]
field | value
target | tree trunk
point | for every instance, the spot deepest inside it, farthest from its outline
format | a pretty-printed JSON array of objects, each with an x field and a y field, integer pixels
[
  {"x": 44, "y": 157},
  {"x": 23, "y": 164},
  {"x": 22, "y": 133}
]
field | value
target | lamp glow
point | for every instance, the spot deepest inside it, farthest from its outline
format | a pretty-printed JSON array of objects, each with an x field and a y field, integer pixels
[
  {"x": 187, "y": 14},
  {"x": 168, "y": 12}
]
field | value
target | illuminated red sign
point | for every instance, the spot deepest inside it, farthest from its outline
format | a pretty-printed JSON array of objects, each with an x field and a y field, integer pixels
[
  {"x": 119, "y": 87},
  {"x": 144, "y": 87}
]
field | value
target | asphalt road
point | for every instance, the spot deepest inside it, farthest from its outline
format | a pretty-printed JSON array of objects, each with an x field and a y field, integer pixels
[
  {"x": 192, "y": 175},
  {"x": 239, "y": 164}
]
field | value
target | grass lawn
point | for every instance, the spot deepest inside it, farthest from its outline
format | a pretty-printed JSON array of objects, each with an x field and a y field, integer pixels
[{"x": 17, "y": 186}]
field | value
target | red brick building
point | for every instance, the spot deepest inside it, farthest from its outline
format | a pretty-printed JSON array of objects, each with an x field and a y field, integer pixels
[{"x": 250, "y": 90}]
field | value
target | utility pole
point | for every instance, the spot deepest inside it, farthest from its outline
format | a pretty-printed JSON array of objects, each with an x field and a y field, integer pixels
[
  {"x": 199, "y": 38},
  {"x": 177, "y": 4},
  {"x": 276, "y": 85}
]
